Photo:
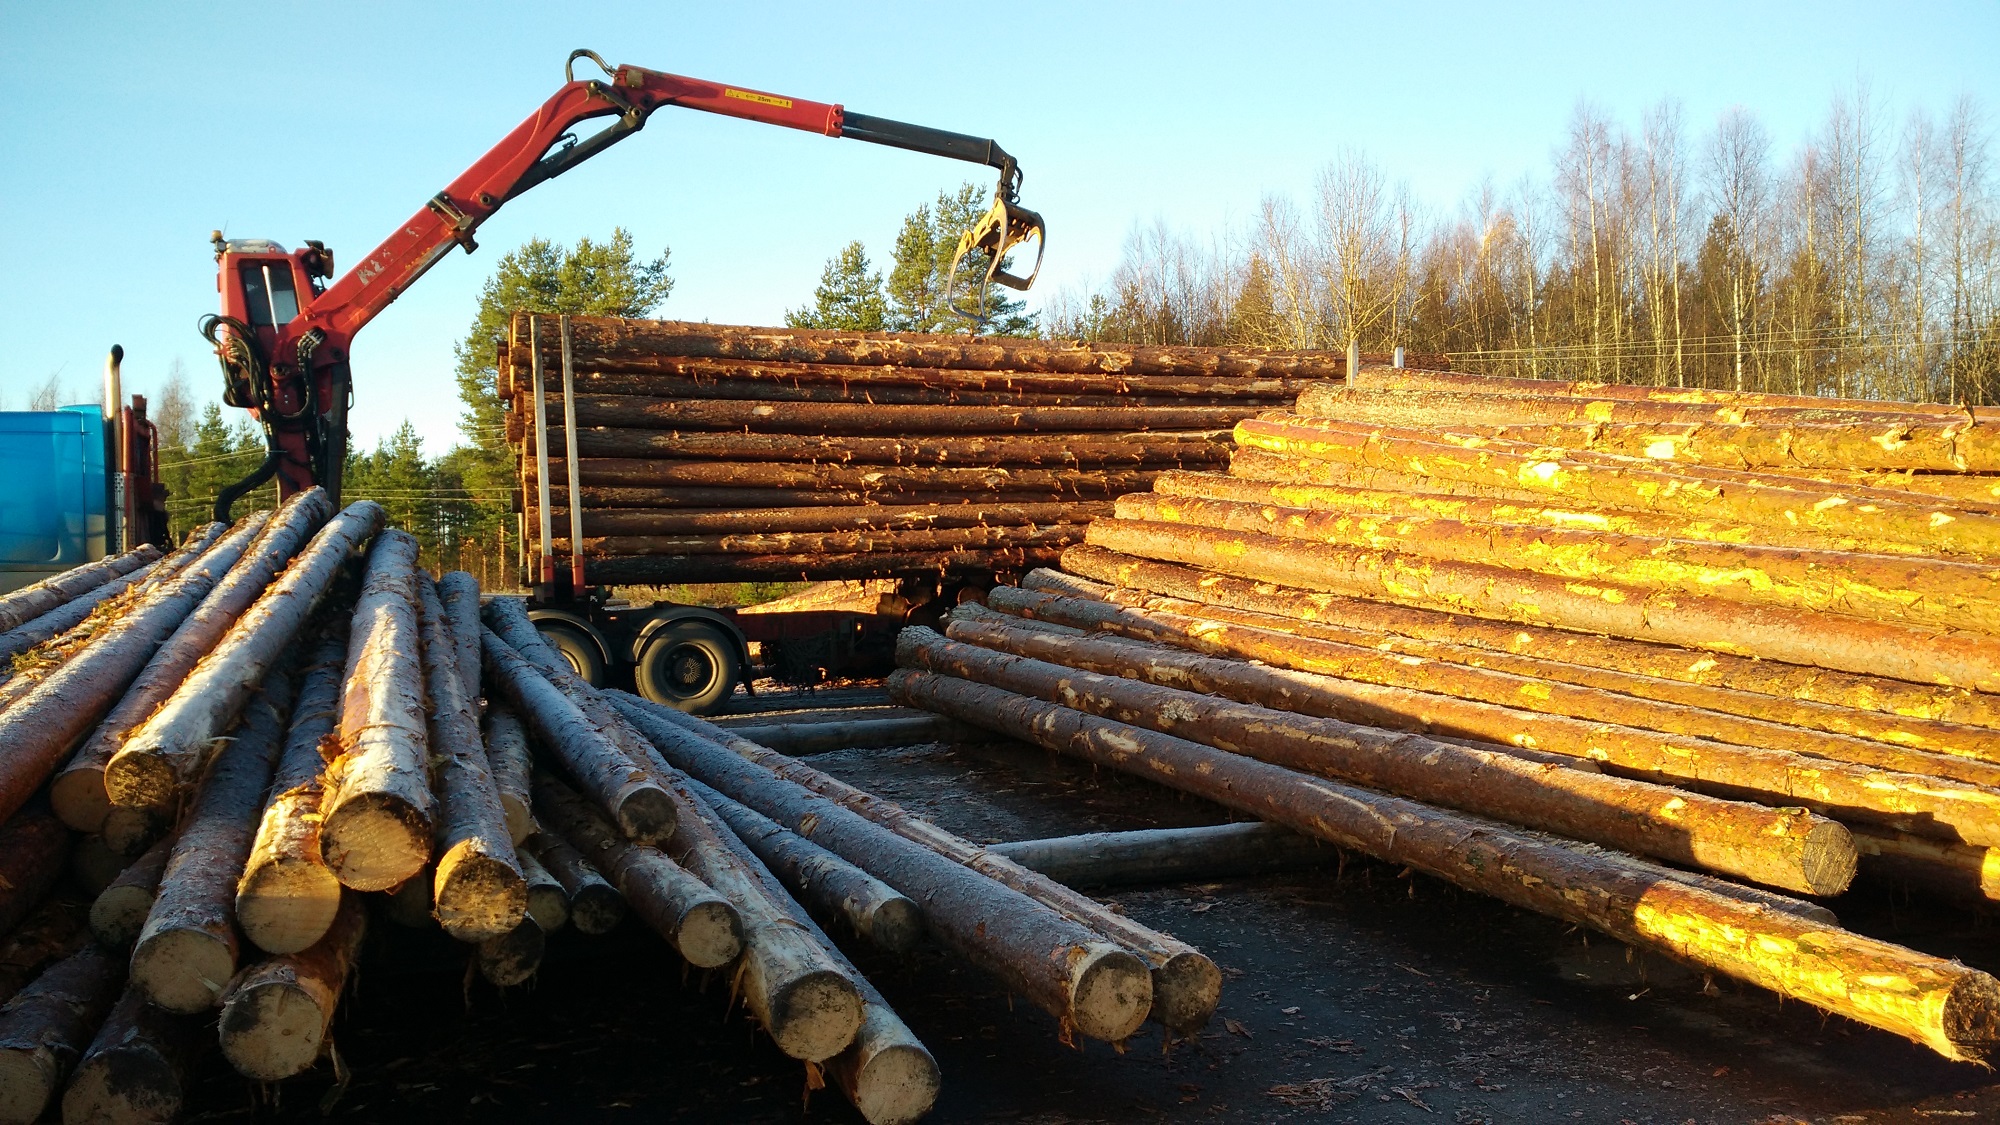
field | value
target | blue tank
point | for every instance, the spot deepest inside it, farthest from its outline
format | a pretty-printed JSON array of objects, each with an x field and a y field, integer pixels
[{"x": 54, "y": 500}]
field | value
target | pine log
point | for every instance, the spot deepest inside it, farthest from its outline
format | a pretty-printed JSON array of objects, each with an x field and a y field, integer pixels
[
  {"x": 377, "y": 815},
  {"x": 1067, "y": 970},
  {"x": 1164, "y": 856},
  {"x": 1249, "y": 395},
  {"x": 78, "y": 791},
  {"x": 1467, "y": 413},
  {"x": 1787, "y": 848},
  {"x": 34, "y": 848},
  {"x": 857, "y": 517},
  {"x": 819, "y": 738},
  {"x": 885, "y": 1070},
  {"x": 1952, "y": 1009},
  {"x": 514, "y": 957},
  {"x": 275, "y": 1014},
  {"x": 287, "y": 896},
  {"x": 30, "y": 602},
  {"x": 507, "y": 757},
  {"x": 700, "y": 924},
  {"x": 1886, "y": 698},
  {"x": 44, "y": 725},
  {"x": 1642, "y": 485},
  {"x": 645, "y": 374},
  {"x": 170, "y": 749},
  {"x": 1187, "y": 985},
  {"x": 654, "y": 570},
  {"x": 1975, "y": 756},
  {"x": 479, "y": 890},
  {"x": 135, "y": 1071},
  {"x": 861, "y": 418},
  {"x": 1044, "y": 488},
  {"x": 50, "y": 932},
  {"x": 1891, "y": 444},
  {"x": 1855, "y": 794},
  {"x": 823, "y": 880},
  {"x": 187, "y": 950},
  {"x": 44, "y": 1029},
  {"x": 595, "y": 906},
  {"x": 659, "y": 473},
  {"x": 459, "y": 591},
  {"x": 1055, "y": 450},
  {"x": 119, "y": 912},
  {"x": 807, "y": 543},
  {"x": 95, "y": 865},
  {"x": 548, "y": 903},
  {"x": 52, "y": 637},
  {"x": 641, "y": 808},
  {"x": 1966, "y": 660},
  {"x": 408, "y": 904},
  {"x": 1957, "y": 872},
  {"x": 1415, "y": 378},
  {"x": 1252, "y": 464}
]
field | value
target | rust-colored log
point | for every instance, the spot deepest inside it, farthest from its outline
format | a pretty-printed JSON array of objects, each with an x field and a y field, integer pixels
[
  {"x": 50, "y": 932},
  {"x": 1255, "y": 464},
  {"x": 1952, "y": 1009},
  {"x": 1894, "y": 443},
  {"x": 637, "y": 373},
  {"x": 188, "y": 948},
  {"x": 1642, "y": 485},
  {"x": 668, "y": 569},
  {"x": 44, "y": 724},
  {"x": 595, "y": 906},
  {"x": 662, "y": 473},
  {"x": 700, "y": 924},
  {"x": 479, "y": 889},
  {"x": 169, "y": 749},
  {"x": 78, "y": 790},
  {"x": 1416, "y": 377},
  {"x": 120, "y": 910},
  {"x": 513, "y": 771},
  {"x": 1044, "y": 488},
  {"x": 1786, "y": 848},
  {"x": 459, "y": 591},
  {"x": 843, "y": 518},
  {"x": 1187, "y": 985},
  {"x": 636, "y": 802},
  {"x": 1855, "y": 794},
  {"x": 1879, "y": 702},
  {"x": 1967, "y": 660},
  {"x": 34, "y": 849},
  {"x": 827, "y": 419},
  {"x": 55, "y": 635},
  {"x": 1959, "y": 872},
  {"x": 275, "y": 1014},
  {"x": 784, "y": 543},
  {"x": 1067, "y": 970},
  {"x": 45, "y": 1028},
  {"x": 1054, "y": 450},
  {"x": 287, "y": 895},
  {"x": 30, "y": 602},
  {"x": 136, "y": 1071},
  {"x": 870, "y": 907},
  {"x": 1455, "y": 409}
]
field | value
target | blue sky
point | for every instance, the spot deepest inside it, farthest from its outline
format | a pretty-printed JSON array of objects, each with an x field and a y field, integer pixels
[{"x": 133, "y": 129}]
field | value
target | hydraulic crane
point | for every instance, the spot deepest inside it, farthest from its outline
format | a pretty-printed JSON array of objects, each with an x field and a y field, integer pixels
[{"x": 284, "y": 333}]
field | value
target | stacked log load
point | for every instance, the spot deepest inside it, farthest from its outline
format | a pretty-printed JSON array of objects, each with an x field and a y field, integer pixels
[
  {"x": 1647, "y": 660},
  {"x": 718, "y": 453},
  {"x": 286, "y": 730}
]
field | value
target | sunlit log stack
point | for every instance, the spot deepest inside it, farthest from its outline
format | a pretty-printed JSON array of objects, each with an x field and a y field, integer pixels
[
  {"x": 708, "y": 452},
  {"x": 1768, "y": 622}
]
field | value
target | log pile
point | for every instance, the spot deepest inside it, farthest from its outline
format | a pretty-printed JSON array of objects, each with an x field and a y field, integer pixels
[
  {"x": 683, "y": 452},
  {"x": 1767, "y": 624}
]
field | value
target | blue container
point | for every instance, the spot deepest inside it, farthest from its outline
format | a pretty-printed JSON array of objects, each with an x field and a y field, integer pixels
[{"x": 53, "y": 496}]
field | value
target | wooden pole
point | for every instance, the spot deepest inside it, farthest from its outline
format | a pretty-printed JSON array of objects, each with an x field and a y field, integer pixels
[
  {"x": 136, "y": 1071},
  {"x": 275, "y": 1014},
  {"x": 507, "y": 756},
  {"x": 45, "y": 1027},
  {"x": 1946, "y": 1006},
  {"x": 548, "y": 902}
]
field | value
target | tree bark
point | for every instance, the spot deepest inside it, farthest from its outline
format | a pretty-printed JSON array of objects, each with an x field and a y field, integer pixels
[
  {"x": 845, "y": 518},
  {"x": 1786, "y": 848},
  {"x": 288, "y": 896},
  {"x": 170, "y": 749},
  {"x": 654, "y": 474},
  {"x": 275, "y": 1014},
  {"x": 1096, "y": 450},
  {"x": 636, "y": 373},
  {"x": 187, "y": 950},
  {"x": 1067, "y": 970},
  {"x": 1160, "y": 856},
  {"x": 513, "y": 957},
  {"x": 805, "y": 544},
  {"x": 135, "y": 1072},
  {"x": 50, "y": 932},
  {"x": 817, "y": 738},
  {"x": 78, "y": 791},
  {"x": 459, "y": 591},
  {"x": 45, "y": 1027},
  {"x": 548, "y": 902},
  {"x": 507, "y": 757},
  {"x": 834, "y": 419},
  {"x": 54, "y": 636},
  {"x": 30, "y": 602},
  {"x": 595, "y": 906},
  {"x": 1417, "y": 408},
  {"x": 670, "y": 569},
  {"x": 1943, "y": 1005},
  {"x": 479, "y": 888},
  {"x": 823, "y": 880},
  {"x": 34, "y": 849},
  {"x": 120, "y": 910},
  {"x": 377, "y": 815},
  {"x": 950, "y": 495},
  {"x": 1379, "y": 377}
]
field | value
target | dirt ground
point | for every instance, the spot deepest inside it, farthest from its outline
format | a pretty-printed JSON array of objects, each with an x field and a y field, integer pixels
[{"x": 1354, "y": 994}]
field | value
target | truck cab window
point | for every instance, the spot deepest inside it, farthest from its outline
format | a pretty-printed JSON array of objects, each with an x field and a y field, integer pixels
[{"x": 268, "y": 294}]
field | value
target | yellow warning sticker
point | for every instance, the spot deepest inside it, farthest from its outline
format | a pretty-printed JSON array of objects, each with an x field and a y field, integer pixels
[{"x": 753, "y": 96}]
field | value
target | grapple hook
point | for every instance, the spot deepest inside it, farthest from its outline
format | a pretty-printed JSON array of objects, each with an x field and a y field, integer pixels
[{"x": 997, "y": 234}]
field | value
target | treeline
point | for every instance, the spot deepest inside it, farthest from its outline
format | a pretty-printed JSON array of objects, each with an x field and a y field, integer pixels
[{"x": 1863, "y": 261}]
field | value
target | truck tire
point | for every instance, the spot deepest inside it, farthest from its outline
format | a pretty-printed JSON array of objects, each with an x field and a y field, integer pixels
[
  {"x": 577, "y": 648},
  {"x": 690, "y": 666}
]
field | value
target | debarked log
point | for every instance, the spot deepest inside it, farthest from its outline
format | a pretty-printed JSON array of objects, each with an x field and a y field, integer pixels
[{"x": 287, "y": 896}]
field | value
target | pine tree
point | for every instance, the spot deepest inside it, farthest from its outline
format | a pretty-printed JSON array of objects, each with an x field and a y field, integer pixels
[
  {"x": 849, "y": 297},
  {"x": 917, "y": 281}
]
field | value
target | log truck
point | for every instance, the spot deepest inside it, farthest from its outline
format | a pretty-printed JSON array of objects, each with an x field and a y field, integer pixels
[{"x": 287, "y": 326}]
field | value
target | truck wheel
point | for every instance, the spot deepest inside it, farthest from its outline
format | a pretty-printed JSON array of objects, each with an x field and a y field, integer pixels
[
  {"x": 578, "y": 649},
  {"x": 689, "y": 666}
]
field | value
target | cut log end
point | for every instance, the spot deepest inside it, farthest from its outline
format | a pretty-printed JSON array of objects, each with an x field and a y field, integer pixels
[
  {"x": 1971, "y": 1018},
  {"x": 183, "y": 971},
  {"x": 286, "y": 907},
  {"x": 513, "y": 957},
  {"x": 1186, "y": 989},
  {"x": 816, "y": 1016},
  {"x": 131, "y": 829},
  {"x": 78, "y": 797},
  {"x": 117, "y": 916},
  {"x": 375, "y": 841},
  {"x": 1111, "y": 991},
  {"x": 710, "y": 934},
  {"x": 478, "y": 896},
  {"x": 140, "y": 778},
  {"x": 596, "y": 910},
  {"x": 895, "y": 925},
  {"x": 272, "y": 1030},
  {"x": 28, "y": 1077},
  {"x": 1828, "y": 858},
  {"x": 127, "y": 1085},
  {"x": 897, "y": 1085},
  {"x": 646, "y": 814},
  {"x": 520, "y": 817}
]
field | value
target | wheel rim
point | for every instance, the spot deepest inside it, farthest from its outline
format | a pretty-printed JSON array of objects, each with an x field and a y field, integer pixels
[{"x": 690, "y": 670}]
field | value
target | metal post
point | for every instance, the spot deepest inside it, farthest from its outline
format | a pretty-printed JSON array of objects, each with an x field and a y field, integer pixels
[
  {"x": 1353, "y": 359},
  {"x": 116, "y": 467},
  {"x": 575, "y": 470},
  {"x": 1398, "y": 363},
  {"x": 548, "y": 565}
]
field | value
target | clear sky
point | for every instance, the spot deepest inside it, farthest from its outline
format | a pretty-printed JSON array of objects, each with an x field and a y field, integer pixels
[{"x": 131, "y": 130}]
